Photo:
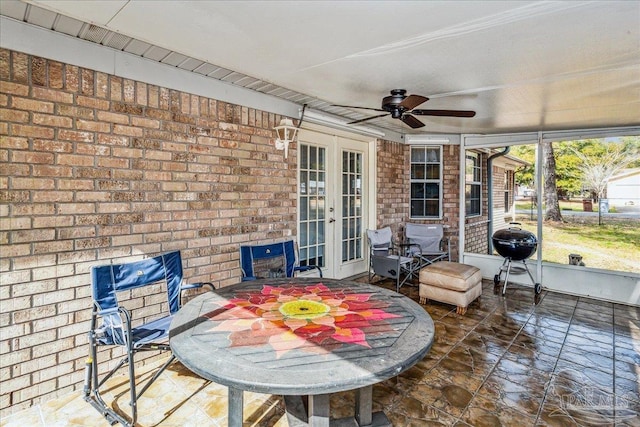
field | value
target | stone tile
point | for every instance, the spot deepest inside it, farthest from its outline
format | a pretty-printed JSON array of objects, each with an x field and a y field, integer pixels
[
  {"x": 548, "y": 347},
  {"x": 411, "y": 412},
  {"x": 528, "y": 357},
  {"x": 490, "y": 412},
  {"x": 481, "y": 363},
  {"x": 584, "y": 342},
  {"x": 626, "y": 312},
  {"x": 590, "y": 326},
  {"x": 486, "y": 343},
  {"x": 566, "y": 361},
  {"x": 521, "y": 401},
  {"x": 628, "y": 389},
  {"x": 578, "y": 378},
  {"x": 443, "y": 395},
  {"x": 627, "y": 370},
  {"x": 544, "y": 333},
  {"x": 627, "y": 326},
  {"x": 556, "y": 412},
  {"x": 601, "y": 360}
]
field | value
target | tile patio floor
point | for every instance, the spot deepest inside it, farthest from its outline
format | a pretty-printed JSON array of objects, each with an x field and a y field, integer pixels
[{"x": 566, "y": 361}]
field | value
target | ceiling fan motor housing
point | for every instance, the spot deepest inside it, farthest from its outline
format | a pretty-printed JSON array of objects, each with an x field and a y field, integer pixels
[{"x": 392, "y": 103}]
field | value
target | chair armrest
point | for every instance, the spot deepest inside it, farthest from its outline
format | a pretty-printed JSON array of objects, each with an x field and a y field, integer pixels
[
  {"x": 115, "y": 328},
  {"x": 407, "y": 248},
  {"x": 308, "y": 268}
]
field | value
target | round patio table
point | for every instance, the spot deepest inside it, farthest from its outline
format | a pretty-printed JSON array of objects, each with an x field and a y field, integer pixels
[{"x": 302, "y": 337}]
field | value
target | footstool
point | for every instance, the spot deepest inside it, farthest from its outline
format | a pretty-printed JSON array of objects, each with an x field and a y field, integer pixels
[{"x": 451, "y": 283}]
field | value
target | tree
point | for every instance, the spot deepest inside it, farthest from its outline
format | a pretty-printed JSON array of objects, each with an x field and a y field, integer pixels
[
  {"x": 552, "y": 206},
  {"x": 599, "y": 167}
]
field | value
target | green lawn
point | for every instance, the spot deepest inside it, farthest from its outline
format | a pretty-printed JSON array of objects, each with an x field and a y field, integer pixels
[
  {"x": 614, "y": 245},
  {"x": 565, "y": 205}
]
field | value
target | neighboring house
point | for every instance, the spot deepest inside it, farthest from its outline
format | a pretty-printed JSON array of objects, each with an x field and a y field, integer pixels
[
  {"x": 504, "y": 189},
  {"x": 624, "y": 188}
]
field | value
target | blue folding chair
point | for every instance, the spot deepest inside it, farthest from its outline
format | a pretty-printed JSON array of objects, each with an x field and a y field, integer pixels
[
  {"x": 116, "y": 322},
  {"x": 271, "y": 260}
]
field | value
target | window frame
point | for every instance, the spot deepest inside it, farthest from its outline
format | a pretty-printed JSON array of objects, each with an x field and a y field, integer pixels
[
  {"x": 472, "y": 181},
  {"x": 438, "y": 181}
]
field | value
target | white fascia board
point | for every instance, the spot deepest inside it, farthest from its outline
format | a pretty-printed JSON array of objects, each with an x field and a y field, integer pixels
[{"x": 26, "y": 38}]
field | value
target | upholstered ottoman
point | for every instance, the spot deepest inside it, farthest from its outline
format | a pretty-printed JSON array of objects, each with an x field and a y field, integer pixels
[{"x": 451, "y": 283}]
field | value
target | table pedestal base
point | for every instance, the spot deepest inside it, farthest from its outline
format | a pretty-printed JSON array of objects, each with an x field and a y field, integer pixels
[{"x": 318, "y": 414}]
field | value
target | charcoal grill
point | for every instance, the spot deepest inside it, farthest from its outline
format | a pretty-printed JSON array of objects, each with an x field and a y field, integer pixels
[{"x": 515, "y": 245}]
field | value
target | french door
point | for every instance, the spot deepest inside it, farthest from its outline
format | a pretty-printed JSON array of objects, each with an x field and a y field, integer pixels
[{"x": 332, "y": 191}]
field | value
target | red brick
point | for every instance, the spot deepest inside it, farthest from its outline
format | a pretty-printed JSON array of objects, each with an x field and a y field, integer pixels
[
  {"x": 87, "y": 101},
  {"x": 51, "y": 120},
  {"x": 93, "y": 126},
  {"x": 32, "y": 157},
  {"x": 14, "y": 116},
  {"x": 33, "y": 131},
  {"x": 52, "y": 95},
  {"x": 39, "y": 71},
  {"x": 32, "y": 105},
  {"x": 76, "y": 136},
  {"x": 102, "y": 85},
  {"x": 75, "y": 160},
  {"x": 19, "y": 183},
  {"x": 5, "y": 61},
  {"x": 15, "y": 143},
  {"x": 116, "y": 88},
  {"x": 107, "y": 116},
  {"x": 71, "y": 80},
  {"x": 56, "y": 73},
  {"x": 87, "y": 82}
]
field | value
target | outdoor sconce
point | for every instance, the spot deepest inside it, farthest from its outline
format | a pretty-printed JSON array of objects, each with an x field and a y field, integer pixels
[{"x": 286, "y": 133}]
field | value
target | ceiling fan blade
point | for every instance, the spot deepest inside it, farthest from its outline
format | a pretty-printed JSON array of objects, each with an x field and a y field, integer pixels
[
  {"x": 412, "y": 121},
  {"x": 444, "y": 113},
  {"x": 412, "y": 101},
  {"x": 359, "y": 108},
  {"x": 367, "y": 119}
]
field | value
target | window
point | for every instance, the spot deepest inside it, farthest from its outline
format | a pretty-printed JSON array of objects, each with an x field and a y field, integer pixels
[
  {"x": 426, "y": 182},
  {"x": 473, "y": 184}
]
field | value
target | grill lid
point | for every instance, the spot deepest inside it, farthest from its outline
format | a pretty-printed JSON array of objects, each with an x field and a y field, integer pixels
[{"x": 515, "y": 243}]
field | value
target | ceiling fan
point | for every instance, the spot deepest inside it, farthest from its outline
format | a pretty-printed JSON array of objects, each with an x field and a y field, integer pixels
[{"x": 401, "y": 106}]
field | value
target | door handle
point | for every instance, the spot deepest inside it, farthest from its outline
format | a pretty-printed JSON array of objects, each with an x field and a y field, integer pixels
[{"x": 331, "y": 220}]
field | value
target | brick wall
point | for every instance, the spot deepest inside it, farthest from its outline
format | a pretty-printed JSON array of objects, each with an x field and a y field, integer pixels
[
  {"x": 476, "y": 227},
  {"x": 94, "y": 167},
  {"x": 393, "y": 182}
]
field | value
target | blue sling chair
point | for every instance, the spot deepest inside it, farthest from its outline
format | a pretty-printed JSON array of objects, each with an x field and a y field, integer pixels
[
  {"x": 116, "y": 323},
  {"x": 271, "y": 260}
]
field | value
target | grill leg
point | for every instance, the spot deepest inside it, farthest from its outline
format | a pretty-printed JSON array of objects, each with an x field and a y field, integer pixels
[
  {"x": 506, "y": 278},
  {"x": 536, "y": 286}
]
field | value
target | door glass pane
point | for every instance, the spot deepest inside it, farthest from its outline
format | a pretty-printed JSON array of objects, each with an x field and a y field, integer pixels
[
  {"x": 351, "y": 206},
  {"x": 311, "y": 201}
]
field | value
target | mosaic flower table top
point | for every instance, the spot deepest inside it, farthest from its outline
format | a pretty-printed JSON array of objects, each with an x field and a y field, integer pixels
[{"x": 300, "y": 336}]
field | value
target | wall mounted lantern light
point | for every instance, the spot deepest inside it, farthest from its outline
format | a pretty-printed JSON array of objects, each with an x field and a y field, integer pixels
[{"x": 286, "y": 133}]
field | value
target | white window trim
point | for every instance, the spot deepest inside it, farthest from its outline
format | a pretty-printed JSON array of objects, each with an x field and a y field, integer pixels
[
  {"x": 440, "y": 183},
  {"x": 478, "y": 167}
]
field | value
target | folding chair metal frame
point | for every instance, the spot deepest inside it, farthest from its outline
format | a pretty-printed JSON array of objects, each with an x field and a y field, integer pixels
[
  {"x": 388, "y": 259},
  {"x": 116, "y": 324},
  {"x": 286, "y": 250}
]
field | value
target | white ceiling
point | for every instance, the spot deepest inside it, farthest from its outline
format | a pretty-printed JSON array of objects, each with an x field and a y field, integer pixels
[{"x": 521, "y": 65}]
